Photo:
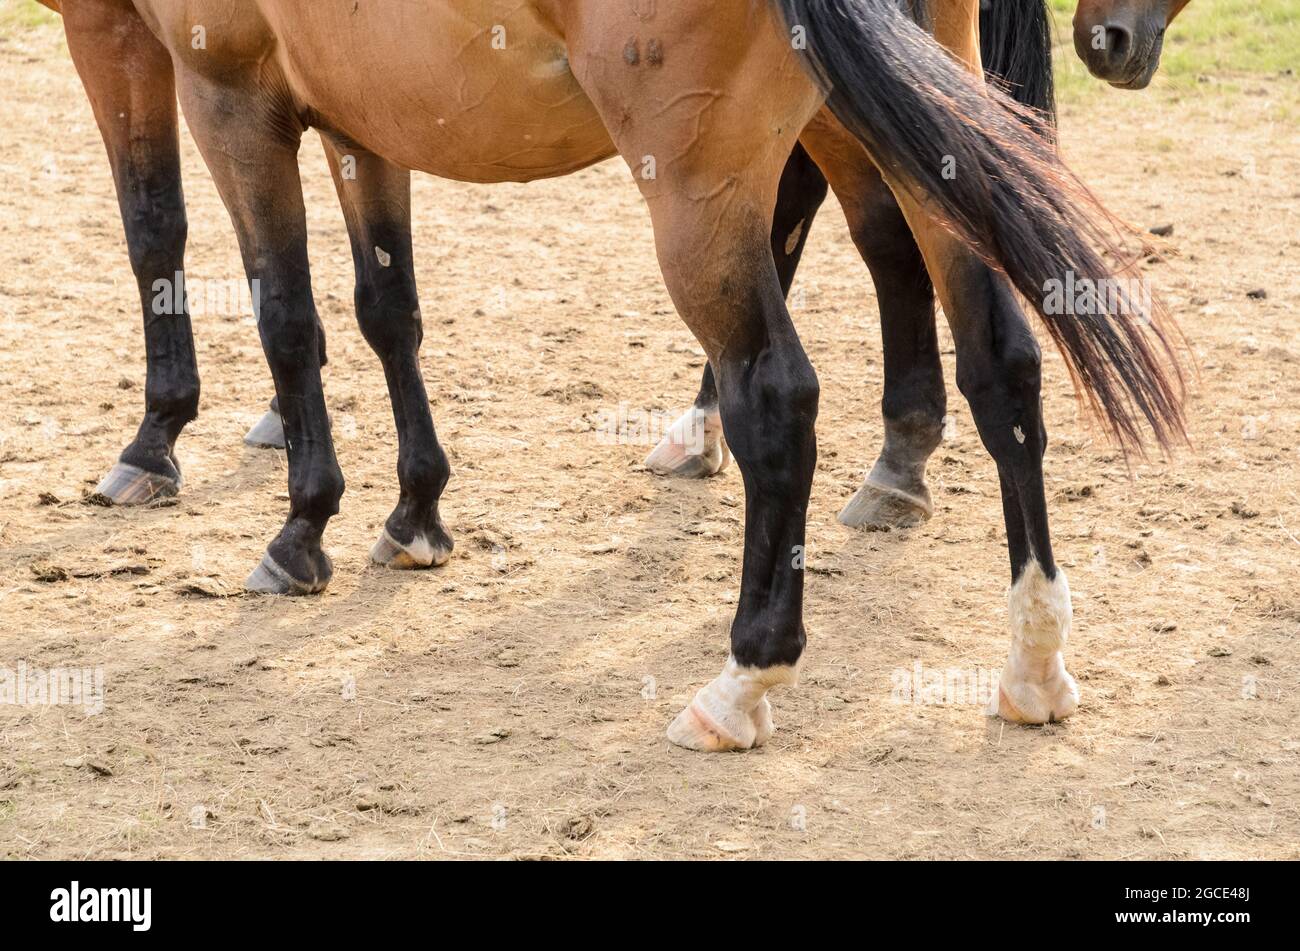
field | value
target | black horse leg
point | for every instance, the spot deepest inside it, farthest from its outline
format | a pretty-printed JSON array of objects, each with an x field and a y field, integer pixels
[
  {"x": 376, "y": 200},
  {"x": 128, "y": 77},
  {"x": 999, "y": 372},
  {"x": 894, "y": 494},
  {"x": 254, "y": 162}
]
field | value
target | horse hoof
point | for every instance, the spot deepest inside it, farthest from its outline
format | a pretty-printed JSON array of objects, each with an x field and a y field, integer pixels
[
  {"x": 267, "y": 433},
  {"x": 693, "y": 448},
  {"x": 732, "y": 711},
  {"x": 126, "y": 484},
  {"x": 878, "y": 507},
  {"x": 1034, "y": 702},
  {"x": 762, "y": 719},
  {"x": 270, "y": 578},
  {"x": 694, "y": 729},
  {"x": 420, "y": 553}
]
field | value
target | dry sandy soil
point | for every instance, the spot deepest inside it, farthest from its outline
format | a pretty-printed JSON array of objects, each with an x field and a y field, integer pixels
[{"x": 499, "y": 706}]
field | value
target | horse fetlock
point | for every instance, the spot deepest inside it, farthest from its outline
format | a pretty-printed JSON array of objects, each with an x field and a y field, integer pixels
[{"x": 732, "y": 712}]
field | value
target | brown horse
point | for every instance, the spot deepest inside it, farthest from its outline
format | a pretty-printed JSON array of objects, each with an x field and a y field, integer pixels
[
  {"x": 1016, "y": 50},
  {"x": 705, "y": 104}
]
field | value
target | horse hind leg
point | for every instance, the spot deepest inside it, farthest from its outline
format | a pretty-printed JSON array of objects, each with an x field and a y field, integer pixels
[
  {"x": 694, "y": 448},
  {"x": 728, "y": 292},
  {"x": 129, "y": 80},
  {"x": 999, "y": 373},
  {"x": 894, "y": 493},
  {"x": 376, "y": 200}
]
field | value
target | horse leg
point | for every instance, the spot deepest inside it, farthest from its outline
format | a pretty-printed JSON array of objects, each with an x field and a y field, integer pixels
[
  {"x": 999, "y": 367},
  {"x": 711, "y": 204},
  {"x": 253, "y": 160},
  {"x": 268, "y": 432},
  {"x": 999, "y": 372},
  {"x": 768, "y": 396},
  {"x": 376, "y": 203},
  {"x": 895, "y": 494},
  {"x": 694, "y": 448},
  {"x": 128, "y": 78}
]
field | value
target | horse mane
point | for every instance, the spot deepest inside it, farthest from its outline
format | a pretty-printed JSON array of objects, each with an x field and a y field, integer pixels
[{"x": 1016, "y": 47}]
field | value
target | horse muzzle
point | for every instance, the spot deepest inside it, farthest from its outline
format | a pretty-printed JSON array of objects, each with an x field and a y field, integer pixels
[{"x": 1123, "y": 48}]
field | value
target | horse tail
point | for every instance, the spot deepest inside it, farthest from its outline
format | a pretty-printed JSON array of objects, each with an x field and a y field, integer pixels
[
  {"x": 1016, "y": 48},
  {"x": 971, "y": 157}
]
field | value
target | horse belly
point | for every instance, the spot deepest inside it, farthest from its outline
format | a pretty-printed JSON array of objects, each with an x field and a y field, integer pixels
[{"x": 475, "y": 90}]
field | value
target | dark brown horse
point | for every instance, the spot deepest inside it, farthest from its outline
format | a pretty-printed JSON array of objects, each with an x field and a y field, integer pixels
[{"x": 705, "y": 102}]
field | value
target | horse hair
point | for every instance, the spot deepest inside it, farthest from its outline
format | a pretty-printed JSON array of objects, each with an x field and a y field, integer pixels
[
  {"x": 1016, "y": 47},
  {"x": 971, "y": 156}
]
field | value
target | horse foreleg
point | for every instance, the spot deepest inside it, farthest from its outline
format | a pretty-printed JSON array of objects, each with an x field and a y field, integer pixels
[
  {"x": 252, "y": 155},
  {"x": 694, "y": 448},
  {"x": 376, "y": 200},
  {"x": 128, "y": 78}
]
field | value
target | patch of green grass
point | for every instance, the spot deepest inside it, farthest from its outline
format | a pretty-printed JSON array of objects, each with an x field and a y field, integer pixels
[
  {"x": 16, "y": 15},
  {"x": 1218, "y": 38}
]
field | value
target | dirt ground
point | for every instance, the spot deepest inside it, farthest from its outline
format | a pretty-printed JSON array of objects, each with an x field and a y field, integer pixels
[{"x": 513, "y": 703}]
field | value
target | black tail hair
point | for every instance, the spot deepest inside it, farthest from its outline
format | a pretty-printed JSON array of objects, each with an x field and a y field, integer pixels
[
  {"x": 971, "y": 156},
  {"x": 1016, "y": 47}
]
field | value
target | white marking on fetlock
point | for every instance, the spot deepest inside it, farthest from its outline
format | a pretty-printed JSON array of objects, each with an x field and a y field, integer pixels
[
  {"x": 692, "y": 448},
  {"x": 731, "y": 712},
  {"x": 1035, "y": 686}
]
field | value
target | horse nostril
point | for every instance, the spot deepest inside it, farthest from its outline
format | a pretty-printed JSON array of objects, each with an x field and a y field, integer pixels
[{"x": 1118, "y": 43}]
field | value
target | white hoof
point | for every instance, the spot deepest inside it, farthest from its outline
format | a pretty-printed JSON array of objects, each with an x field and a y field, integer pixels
[
  {"x": 693, "y": 448},
  {"x": 1035, "y": 687},
  {"x": 732, "y": 712}
]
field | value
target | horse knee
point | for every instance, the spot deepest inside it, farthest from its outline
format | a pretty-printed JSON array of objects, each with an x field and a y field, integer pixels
[{"x": 388, "y": 312}]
